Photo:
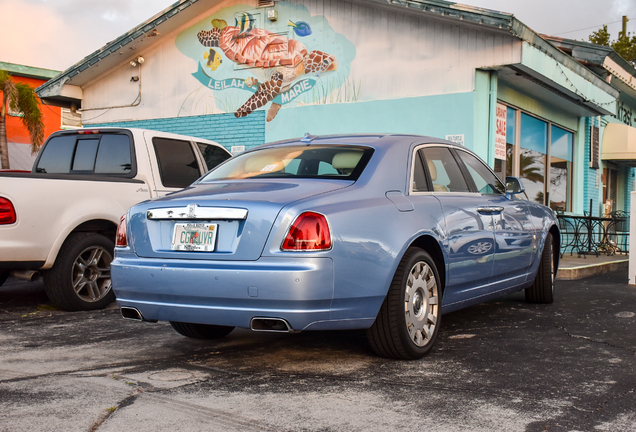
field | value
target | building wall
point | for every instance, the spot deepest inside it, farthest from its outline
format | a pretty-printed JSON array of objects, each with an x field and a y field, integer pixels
[
  {"x": 399, "y": 71},
  {"x": 626, "y": 174},
  {"x": 593, "y": 187},
  {"x": 382, "y": 54}
]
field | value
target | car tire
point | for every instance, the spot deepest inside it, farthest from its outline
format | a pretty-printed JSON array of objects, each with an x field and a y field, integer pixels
[
  {"x": 410, "y": 316},
  {"x": 201, "y": 331},
  {"x": 80, "y": 278},
  {"x": 542, "y": 289},
  {"x": 4, "y": 275}
]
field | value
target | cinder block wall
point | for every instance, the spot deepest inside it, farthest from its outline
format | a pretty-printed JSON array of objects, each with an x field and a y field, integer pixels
[{"x": 225, "y": 129}]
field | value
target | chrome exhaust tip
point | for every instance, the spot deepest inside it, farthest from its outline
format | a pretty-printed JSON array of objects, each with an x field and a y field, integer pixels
[
  {"x": 131, "y": 313},
  {"x": 265, "y": 324},
  {"x": 26, "y": 275}
]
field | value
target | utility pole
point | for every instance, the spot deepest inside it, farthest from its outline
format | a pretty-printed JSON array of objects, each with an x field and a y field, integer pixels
[{"x": 624, "y": 32}]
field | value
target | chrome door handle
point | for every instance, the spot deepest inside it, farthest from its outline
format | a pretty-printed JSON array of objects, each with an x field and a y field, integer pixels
[{"x": 490, "y": 209}]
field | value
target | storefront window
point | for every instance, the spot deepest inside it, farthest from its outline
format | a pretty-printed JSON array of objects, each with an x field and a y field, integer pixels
[
  {"x": 534, "y": 139},
  {"x": 560, "y": 168}
]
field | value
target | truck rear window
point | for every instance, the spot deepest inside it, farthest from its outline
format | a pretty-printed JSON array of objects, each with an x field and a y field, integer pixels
[{"x": 87, "y": 154}]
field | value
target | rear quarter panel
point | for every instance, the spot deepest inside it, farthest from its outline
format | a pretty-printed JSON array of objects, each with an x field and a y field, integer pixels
[{"x": 369, "y": 233}]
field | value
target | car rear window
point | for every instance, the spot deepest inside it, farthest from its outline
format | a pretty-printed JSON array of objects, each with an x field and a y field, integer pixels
[{"x": 343, "y": 162}]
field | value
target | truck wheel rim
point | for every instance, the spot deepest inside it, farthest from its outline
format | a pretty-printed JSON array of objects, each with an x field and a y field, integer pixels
[
  {"x": 91, "y": 274},
  {"x": 421, "y": 304}
]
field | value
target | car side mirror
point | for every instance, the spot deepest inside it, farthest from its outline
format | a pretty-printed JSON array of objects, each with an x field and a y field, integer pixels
[{"x": 514, "y": 187}]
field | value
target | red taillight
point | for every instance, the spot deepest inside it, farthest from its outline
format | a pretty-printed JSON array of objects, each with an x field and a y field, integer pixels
[
  {"x": 309, "y": 232},
  {"x": 88, "y": 131},
  {"x": 120, "y": 239},
  {"x": 7, "y": 212}
]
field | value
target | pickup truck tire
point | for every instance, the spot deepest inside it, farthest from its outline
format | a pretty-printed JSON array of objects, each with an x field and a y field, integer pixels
[{"x": 80, "y": 278}]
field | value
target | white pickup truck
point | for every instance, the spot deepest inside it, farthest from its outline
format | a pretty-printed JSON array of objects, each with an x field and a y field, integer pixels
[{"x": 60, "y": 220}]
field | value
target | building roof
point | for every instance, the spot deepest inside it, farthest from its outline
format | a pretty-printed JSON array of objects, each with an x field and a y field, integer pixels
[
  {"x": 601, "y": 59},
  {"x": 28, "y": 71}
]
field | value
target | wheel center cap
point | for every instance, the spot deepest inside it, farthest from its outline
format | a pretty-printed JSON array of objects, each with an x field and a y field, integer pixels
[
  {"x": 91, "y": 273},
  {"x": 417, "y": 303}
]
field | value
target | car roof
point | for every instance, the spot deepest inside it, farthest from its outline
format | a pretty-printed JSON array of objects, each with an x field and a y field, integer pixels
[{"x": 371, "y": 140}]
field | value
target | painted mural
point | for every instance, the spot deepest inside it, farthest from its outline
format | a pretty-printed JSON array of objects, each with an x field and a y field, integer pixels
[{"x": 249, "y": 62}]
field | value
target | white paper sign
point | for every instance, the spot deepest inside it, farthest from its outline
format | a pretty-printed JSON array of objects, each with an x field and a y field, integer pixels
[
  {"x": 459, "y": 139},
  {"x": 237, "y": 149}
]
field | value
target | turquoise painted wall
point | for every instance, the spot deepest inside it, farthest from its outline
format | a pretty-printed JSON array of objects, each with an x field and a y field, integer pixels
[
  {"x": 591, "y": 192},
  {"x": 435, "y": 116},
  {"x": 225, "y": 129},
  {"x": 581, "y": 167}
]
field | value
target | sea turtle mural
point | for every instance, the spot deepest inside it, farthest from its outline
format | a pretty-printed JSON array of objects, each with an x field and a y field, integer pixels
[{"x": 278, "y": 61}]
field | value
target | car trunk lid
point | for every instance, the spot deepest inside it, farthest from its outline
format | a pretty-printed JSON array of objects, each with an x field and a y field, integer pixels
[{"x": 217, "y": 221}]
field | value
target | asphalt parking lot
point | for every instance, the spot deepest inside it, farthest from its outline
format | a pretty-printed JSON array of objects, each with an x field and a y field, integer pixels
[{"x": 505, "y": 365}]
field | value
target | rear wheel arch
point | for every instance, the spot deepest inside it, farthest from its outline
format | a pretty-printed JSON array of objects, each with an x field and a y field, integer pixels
[
  {"x": 100, "y": 226},
  {"x": 105, "y": 227},
  {"x": 430, "y": 245},
  {"x": 96, "y": 235}
]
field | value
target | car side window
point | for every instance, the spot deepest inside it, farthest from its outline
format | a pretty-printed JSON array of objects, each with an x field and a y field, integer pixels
[
  {"x": 420, "y": 184},
  {"x": 178, "y": 165},
  {"x": 485, "y": 180},
  {"x": 443, "y": 170},
  {"x": 213, "y": 155}
]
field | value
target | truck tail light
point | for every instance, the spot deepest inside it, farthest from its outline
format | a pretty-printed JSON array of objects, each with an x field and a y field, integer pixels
[
  {"x": 120, "y": 239},
  {"x": 309, "y": 232},
  {"x": 7, "y": 212}
]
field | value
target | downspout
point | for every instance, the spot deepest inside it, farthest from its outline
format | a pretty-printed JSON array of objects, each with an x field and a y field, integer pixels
[{"x": 492, "y": 117}]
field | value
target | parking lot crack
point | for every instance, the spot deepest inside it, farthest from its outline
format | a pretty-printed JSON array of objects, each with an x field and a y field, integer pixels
[
  {"x": 129, "y": 400},
  {"x": 603, "y": 405},
  {"x": 587, "y": 338}
]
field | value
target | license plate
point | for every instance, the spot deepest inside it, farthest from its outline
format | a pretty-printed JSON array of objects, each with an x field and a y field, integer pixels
[{"x": 194, "y": 237}]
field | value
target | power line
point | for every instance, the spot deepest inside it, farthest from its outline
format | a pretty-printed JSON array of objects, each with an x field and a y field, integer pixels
[{"x": 587, "y": 28}]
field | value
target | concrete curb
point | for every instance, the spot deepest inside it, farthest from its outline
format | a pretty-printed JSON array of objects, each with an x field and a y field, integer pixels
[{"x": 579, "y": 272}]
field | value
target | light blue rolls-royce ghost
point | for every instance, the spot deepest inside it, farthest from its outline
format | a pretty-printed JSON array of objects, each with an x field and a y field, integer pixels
[{"x": 376, "y": 232}]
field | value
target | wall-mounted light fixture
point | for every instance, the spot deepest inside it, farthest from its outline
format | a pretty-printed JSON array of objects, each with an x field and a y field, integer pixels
[{"x": 138, "y": 61}]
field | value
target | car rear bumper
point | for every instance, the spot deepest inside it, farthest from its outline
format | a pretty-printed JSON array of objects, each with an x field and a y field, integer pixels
[{"x": 297, "y": 290}]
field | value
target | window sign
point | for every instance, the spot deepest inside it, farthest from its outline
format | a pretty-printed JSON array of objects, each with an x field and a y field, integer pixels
[
  {"x": 500, "y": 135},
  {"x": 458, "y": 139}
]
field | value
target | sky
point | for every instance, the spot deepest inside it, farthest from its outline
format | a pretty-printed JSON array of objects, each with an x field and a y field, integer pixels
[{"x": 56, "y": 34}]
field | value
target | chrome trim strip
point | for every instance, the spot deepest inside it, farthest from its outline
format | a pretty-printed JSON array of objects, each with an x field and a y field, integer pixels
[{"x": 195, "y": 212}]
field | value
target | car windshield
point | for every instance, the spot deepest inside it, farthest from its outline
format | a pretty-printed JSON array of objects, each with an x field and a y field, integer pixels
[{"x": 343, "y": 162}]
